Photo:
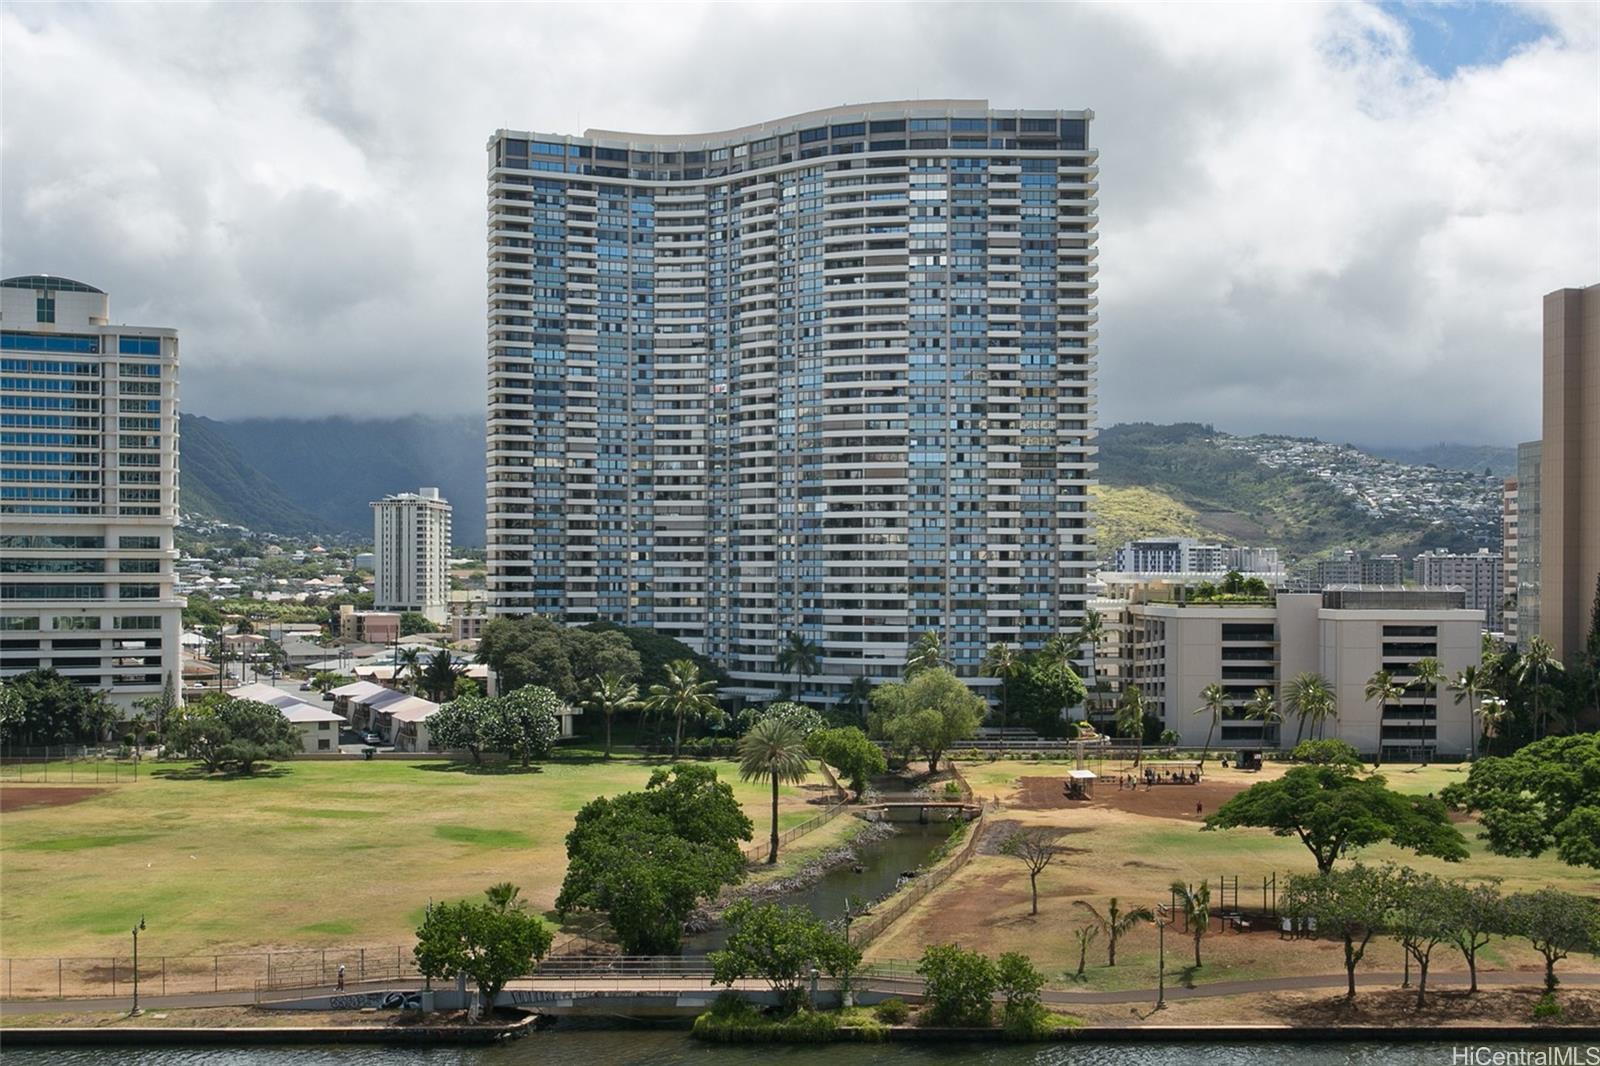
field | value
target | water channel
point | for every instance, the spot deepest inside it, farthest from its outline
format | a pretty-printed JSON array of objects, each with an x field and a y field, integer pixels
[{"x": 878, "y": 871}]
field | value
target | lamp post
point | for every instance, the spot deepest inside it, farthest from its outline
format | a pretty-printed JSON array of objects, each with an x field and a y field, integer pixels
[
  {"x": 136, "y": 930},
  {"x": 1163, "y": 919}
]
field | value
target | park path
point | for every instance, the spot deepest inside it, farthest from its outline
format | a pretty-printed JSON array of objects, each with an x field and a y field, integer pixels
[{"x": 1054, "y": 996}]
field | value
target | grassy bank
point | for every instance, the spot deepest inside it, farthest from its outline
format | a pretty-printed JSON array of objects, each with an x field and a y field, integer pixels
[{"x": 306, "y": 854}]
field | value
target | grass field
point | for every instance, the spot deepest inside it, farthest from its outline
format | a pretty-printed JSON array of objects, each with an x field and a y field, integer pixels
[
  {"x": 307, "y": 854},
  {"x": 1112, "y": 847}
]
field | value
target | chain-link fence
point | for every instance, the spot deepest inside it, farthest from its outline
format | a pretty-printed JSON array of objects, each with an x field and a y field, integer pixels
[
  {"x": 112, "y": 976},
  {"x": 70, "y": 764}
]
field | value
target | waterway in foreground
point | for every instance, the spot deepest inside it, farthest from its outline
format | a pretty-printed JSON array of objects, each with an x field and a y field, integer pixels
[{"x": 672, "y": 1048}]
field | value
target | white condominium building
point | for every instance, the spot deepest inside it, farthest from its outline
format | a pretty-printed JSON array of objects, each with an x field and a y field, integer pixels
[
  {"x": 88, "y": 491},
  {"x": 411, "y": 553},
  {"x": 1172, "y": 647},
  {"x": 832, "y": 374}
]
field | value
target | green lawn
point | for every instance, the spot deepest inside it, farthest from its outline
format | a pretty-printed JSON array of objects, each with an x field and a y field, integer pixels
[{"x": 304, "y": 855}]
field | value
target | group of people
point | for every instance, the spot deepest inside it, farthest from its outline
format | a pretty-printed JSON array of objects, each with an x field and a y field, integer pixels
[{"x": 1151, "y": 778}]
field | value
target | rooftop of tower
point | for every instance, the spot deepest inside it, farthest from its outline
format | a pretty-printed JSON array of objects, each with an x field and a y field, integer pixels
[
  {"x": 49, "y": 282},
  {"x": 887, "y": 110}
]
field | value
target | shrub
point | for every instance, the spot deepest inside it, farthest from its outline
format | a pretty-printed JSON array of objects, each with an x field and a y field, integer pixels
[
  {"x": 1325, "y": 753},
  {"x": 892, "y": 1011},
  {"x": 960, "y": 985},
  {"x": 952, "y": 788},
  {"x": 1032, "y": 1022},
  {"x": 1547, "y": 1009},
  {"x": 1020, "y": 982}
]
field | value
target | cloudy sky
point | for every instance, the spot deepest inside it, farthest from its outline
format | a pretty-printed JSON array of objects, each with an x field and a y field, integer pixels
[{"x": 1323, "y": 219}]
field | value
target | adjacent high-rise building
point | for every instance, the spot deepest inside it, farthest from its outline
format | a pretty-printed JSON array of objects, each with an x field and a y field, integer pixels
[
  {"x": 1508, "y": 560},
  {"x": 1530, "y": 485},
  {"x": 1569, "y": 532},
  {"x": 1186, "y": 555},
  {"x": 88, "y": 491},
  {"x": 1360, "y": 568},
  {"x": 1479, "y": 574},
  {"x": 832, "y": 374},
  {"x": 411, "y": 553}
]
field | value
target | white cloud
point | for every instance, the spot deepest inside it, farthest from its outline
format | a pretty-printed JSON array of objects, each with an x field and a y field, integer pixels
[{"x": 1303, "y": 228}]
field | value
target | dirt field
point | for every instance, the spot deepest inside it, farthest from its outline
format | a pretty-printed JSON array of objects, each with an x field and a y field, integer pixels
[
  {"x": 1158, "y": 801},
  {"x": 1133, "y": 844},
  {"x": 26, "y": 797}
]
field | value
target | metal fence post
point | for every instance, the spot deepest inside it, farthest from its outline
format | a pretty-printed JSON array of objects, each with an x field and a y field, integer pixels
[
  {"x": 216, "y": 973},
  {"x": 163, "y": 975},
  {"x": 113, "y": 975},
  {"x": 361, "y": 964},
  {"x": 58, "y": 979}
]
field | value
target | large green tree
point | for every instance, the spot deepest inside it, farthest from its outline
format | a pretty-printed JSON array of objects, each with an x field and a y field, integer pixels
[
  {"x": 523, "y": 725},
  {"x": 490, "y": 943},
  {"x": 1350, "y": 905},
  {"x": 848, "y": 751},
  {"x": 1040, "y": 689},
  {"x": 51, "y": 709},
  {"x": 463, "y": 725},
  {"x": 1556, "y": 923},
  {"x": 646, "y": 859},
  {"x": 612, "y": 695},
  {"x": 781, "y": 946},
  {"x": 1546, "y": 795},
  {"x": 568, "y": 661},
  {"x": 1333, "y": 811},
  {"x": 929, "y": 713},
  {"x": 226, "y": 733}
]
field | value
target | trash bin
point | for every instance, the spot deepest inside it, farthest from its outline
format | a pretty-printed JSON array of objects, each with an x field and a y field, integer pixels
[{"x": 367, "y": 753}]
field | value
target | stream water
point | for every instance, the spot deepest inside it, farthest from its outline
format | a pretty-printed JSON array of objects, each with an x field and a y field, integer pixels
[{"x": 879, "y": 870}]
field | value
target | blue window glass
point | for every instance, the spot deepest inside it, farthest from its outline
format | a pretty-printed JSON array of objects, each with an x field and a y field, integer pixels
[
  {"x": 139, "y": 345},
  {"x": 818, "y": 134},
  {"x": 850, "y": 129},
  {"x": 1074, "y": 133}
]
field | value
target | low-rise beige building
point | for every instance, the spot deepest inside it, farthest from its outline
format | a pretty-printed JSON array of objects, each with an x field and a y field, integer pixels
[{"x": 1173, "y": 648}]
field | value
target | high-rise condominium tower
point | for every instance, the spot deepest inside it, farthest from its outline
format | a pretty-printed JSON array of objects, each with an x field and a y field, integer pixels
[
  {"x": 88, "y": 491},
  {"x": 411, "y": 553},
  {"x": 830, "y": 375},
  {"x": 1569, "y": 549}
]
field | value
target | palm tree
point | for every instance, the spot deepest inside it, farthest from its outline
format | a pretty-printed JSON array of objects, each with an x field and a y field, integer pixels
[
  {"x": 773, "y": 748},
  {"x": 613, "y": 693},
  {"x": 858, "y": 697},
  {"x": 1114, "y": 923},
  {"x": 1383, "y": 690},
  {"x": 1091, "y": 632},
  {"x": 505, "y": 896},
  {"x": 440, "y": 675},
  {"x": 410, "y": 661},
  {"x": 1494, "y": 711},
  {"x": 927, "y": 653},
  {"x": 1130, "y": 718},
  {"x": 1002, "y": 661},
  {"x": 1309, "y": 697},
  {"x": 1427, "y": 676},
  {"x": 800, "y": 655},
  {"x": 1471, "y": 685},
  {"x": 1195, "y": 903},
  {"x": 1215, "y": 703},
  {"x": 1263, "y": 707},
  {"x": 1535, "y": 667},
  {"x": 684, "y": 695}
]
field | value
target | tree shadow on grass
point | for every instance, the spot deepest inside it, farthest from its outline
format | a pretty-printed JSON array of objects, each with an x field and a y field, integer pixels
[
  {"x": 200, "y": 773},
  {"x": 479, "y": 769},
  {"x": 1186, "y": 976}
]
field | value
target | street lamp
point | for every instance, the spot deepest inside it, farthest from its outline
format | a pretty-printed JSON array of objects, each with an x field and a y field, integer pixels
[
  {"x": 1163, "y": 919},
  {"x": 136, "y": 930}
]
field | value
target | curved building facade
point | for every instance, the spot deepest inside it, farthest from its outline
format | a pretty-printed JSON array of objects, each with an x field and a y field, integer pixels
[{"x": 831, "y": 374}]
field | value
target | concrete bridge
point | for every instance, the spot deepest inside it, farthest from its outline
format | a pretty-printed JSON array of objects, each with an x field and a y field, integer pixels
[{"x": 920, "y": 811}]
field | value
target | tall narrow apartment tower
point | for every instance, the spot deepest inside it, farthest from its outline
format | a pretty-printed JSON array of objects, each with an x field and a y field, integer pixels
[
  {"x": 88, "y": 491},
  {"x": 1569, "y": 554},
  {"x": 411, "y": 553},
  {"x": 832, "y": 374}
]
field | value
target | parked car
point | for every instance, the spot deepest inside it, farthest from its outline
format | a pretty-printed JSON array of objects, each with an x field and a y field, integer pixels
[
  {"x": 327, "y": 697},
  {"x": 305, "y": 686},
  {"x": 372, "y": 736}
]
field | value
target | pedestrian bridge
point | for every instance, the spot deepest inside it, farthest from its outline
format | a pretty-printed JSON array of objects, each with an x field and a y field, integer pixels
[{"x": 920, "y": 811}]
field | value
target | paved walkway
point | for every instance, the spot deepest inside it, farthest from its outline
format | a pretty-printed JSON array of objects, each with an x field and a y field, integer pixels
[{"x": 1365, "y": 982}]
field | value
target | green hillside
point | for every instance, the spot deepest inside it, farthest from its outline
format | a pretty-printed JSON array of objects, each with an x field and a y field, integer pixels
[
  {"x": 217, "y": 483},
  {"x": 1124, "y": 514},
  {"x": 1233, "y": 497}
]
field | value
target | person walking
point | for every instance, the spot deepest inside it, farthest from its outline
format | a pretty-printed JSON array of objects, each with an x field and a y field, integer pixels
[{"x": 341, "y": 977}]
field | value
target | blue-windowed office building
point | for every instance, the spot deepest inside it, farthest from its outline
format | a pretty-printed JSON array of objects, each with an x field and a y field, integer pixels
[
  {"x": 88, "y": 491},
  {"x": 831, "y": 374}
]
